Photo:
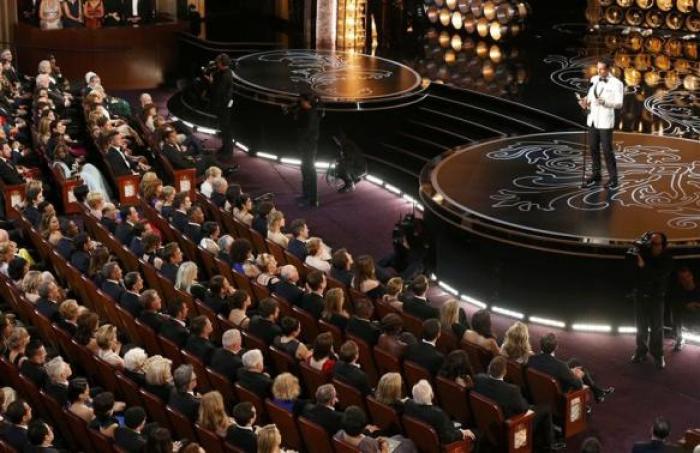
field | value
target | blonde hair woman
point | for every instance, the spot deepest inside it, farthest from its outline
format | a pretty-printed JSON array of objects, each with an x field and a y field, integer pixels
[
  {"x": 210, "y": 174},
  {"x": 150, "y": 187},
  {"x": 95, "y": 201},
  {"x": 516, "y": 344},
  {"x": 159, "y": 376},
  {"x": 333, "y": 308},
  {"x": 269, "y": 439},
  {"x": 394, "y": 287},
  {"x": 16, "y": 345},
  {"x": 286, "y": 391},
  {"x": 212, "y": 414},
  {"x": 275, "y": 223},
  {"x": 317, "y": 255},
  {"x": 268, "y": 269},
  {"x": 453, "y": 318},
  {"x": 30, "y": 284},
  {"x": 165, "y": 200},
  {"x": 109, "y": 345},
  {"x": 186, "y": 276},
  {"x": 389, "y": 390}
]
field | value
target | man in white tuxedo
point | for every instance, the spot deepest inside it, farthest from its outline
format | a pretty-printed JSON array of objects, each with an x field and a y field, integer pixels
[{"x": 604, "y": 96}]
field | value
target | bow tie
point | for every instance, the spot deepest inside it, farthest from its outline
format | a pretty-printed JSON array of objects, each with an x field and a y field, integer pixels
[{"x": 603, "y": 79}]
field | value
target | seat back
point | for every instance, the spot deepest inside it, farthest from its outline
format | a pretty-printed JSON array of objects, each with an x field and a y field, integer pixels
[
  {"x": 515, "y": 374},
  {"x": 315, "y": 435},
  {"x": 128, "y": 389},
  {"x": 283, "y": 362},
  {"x": 170, "y": 350},
  {"x": 312, "y": 378},
  {"x": 341, "y": 446},
  {"x": 414, "y": 373},
  {"x": 309, "y": 325},
  {"x": 258, "y": 241},
  {"x": 210, "y": 442},
  {"x": 99, "y": 441},
  {"x": 106, "y": 373},
  {"x": 149, "y": 338},
  {"x": 366, "y": 360},
  {"x": 209, "y": 262},
  {"x": 412, "y": 324},
  {"x": 79, "y": 430},
  {"x": 203, "y": 383},
  {"x": 155, "y": 408},
  {"x": 385, "y": 417},
  {"x": 447, "y": 341},
  {"x": 422, "y": 434},
  {"x": 57, "y": 418},
  {"x": 513, "y": 435},
  {"x": 453, "y": 399},
  {"x": 286, "y": 424},
  {"x": 277, "y": 251},
  {"x": 180, "y": 423},
  {"x": 478, "y": 356},
  {"x": 569, "y": 408},
  {"x": 246, "y": 395},
  {"x": 325, "y": 326},
  {"x": 220, "y": 383},
  {"x": 348, "y": 395},
  {"x": 386, "y": 362}
]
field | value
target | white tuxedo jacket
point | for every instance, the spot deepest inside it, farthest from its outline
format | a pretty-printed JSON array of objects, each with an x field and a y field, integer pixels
[{"x": 609, "y": 92}]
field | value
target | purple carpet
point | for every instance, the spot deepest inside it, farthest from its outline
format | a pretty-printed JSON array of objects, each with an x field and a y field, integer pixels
[{"x": 362, "y": 221}]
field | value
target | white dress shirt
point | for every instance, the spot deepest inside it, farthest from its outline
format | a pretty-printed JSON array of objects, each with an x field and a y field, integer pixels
[{"x": 604, "y": 97}]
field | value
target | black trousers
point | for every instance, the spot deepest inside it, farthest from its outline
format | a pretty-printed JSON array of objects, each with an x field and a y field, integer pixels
[
  {"x": 308, "y": 146},
  {"x": 601, "y": 139},
  {"x": 678, "y": 312},
  {"x": 226, "y": 133},
  {"x": 649, "y": 314}
]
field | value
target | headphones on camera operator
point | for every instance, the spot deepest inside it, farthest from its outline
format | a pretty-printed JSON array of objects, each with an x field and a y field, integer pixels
[{"x": 643, "y": 244}]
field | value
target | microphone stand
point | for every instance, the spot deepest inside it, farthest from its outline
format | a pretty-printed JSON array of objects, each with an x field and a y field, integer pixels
[{"x": 585, "y": 148}]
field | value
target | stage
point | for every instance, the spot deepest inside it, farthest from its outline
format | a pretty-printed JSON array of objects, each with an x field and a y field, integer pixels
[{"x": 525, "y": 191}]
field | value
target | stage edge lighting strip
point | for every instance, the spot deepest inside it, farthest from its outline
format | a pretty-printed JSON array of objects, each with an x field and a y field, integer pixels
[{"x": 604, "y": 328}]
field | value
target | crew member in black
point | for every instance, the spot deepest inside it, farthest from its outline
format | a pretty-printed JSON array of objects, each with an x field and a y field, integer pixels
[
  {"x": 222, "y": 102},
  {"x": 308, "y": 116}
]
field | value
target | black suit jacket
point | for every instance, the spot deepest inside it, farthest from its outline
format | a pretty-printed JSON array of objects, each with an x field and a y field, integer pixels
[
  {"x": 217, "y": 304},
  {"x": 420, "y": 308},
  {"x": 297, "y": 248},
  {"x": 129, "y": 440},
  {"x": 655, "y": 446},
  {"x": 136, "y": 246},
  {"x": 312, "y": 303},
  {"x": 32, "y": 214},
  {"x": 264, "y": 329},
  {"x": 342, "y": 275},
  {"x": 507, "y": 396},
  {"x": 179, "y": 220},
  {"x": 329, "y": 419},
  {"x": 35, "y": 373},
  {"x": 175, "y": 332},
  {"x": 152, "y": 320},
  {"x": 108, "y": 223},
  {"x": 125, "y": 233},
  {"x": 178, "y": 159},
  {"x": 425, "y": 355},
  {"x": 58, "y": 392},
  {"x": 435, "y": 417},
  {"x": 260, "y": 225},
  {"x": 242, "y": 438},
  {"x": 288, "y": 291},
  {"x": 194, "y": 232},
  {"x": 15, "y": 436},
  {"x": 9, "y": 174},
  {"x": 65, "y": 247},
  {"x": 118, "y": 164},
  {"x": 258, "y": 383},
  {"x": 186, "y": 404},
  {"x": 47, "y": 308},
  {"x": 367, "y": 330},
  {"x": 169, "y": 271},
  {"x": 352, "y": 375},
  {"x": 226, "y": 363},
  {"x": 200, "y": 347},
  {"x": 144, "y": 9},
  {"x": 113, "y": 290},
  {"x": 131, "y": 302},
  {"x": 558, "y": 369},
  {"x": 81, "y": 261},
  {"x": 219, "y": 199}
]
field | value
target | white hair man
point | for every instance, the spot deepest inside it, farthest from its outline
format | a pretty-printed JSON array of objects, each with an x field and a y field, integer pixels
[
  {"x": 252, "y": 376},
  {"x": 58, "y": 371},
  {"x": 227, "y": 359},
  {"x": 323, "y": 413},
  {"x": 422, "y": 408}
]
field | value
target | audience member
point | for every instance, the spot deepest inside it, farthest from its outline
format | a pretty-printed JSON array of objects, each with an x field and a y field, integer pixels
[
  {"x": 241, "y": 432},
  {"x": 285, "y": 393},
  {"x": 212, "y": 414},
  {"x": 227, "y": 360},
  {"x": 424, "y": 352},
  {"x": 323, "y": 412},
  {"x": 183, "y": 398},
  {"x": 516, "y": 344},
  {"x": 252, "y": 376},
  {"x": 360, "y": 324},
  {"x": 480, "y": 332},
  {"x": 417, "y": 305},
  {"x": 288, "y": 342},
  {"x": 348, "y": 370},
  {"x": 264, "y": 324}
]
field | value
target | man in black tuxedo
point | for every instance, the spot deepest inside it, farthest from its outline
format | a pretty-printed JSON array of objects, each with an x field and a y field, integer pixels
[
  {"x": 341, "y": 265},
  {"x": 348, "y": 370},
  {"x": 10, "y": 174},
  {"x": 109, "y": 217},
  {"x": 175, "y": 328},
  {"x": 183, "y": 398},
  {"x": 130, "y": 437},
  {"x": 117, "y": 160},
  {"x": 138, "y": 12},
  {"x": 252, "y": 376},
  {"x": 264, "y": 324},
  {"x": 40, "y": 437},
  {"x": 418, "y": 305},
  {"x": 125, "y": 230},
  {"x": 56, "y": 387},
  {"x": 172, "y": 257},
  {"x": 300, "y": 231},
  {"x": 312, "y": 301},
  {"x": 659, "y": 433},
  {"x": 421, "y": 407},
  {"x": 241, "y": 433},
  {"x": 28, "y": 11},
  {"x": 286, "y": 287},
  {"x": 130, "y": 299},
  {"x": 193, "y": 229},
  {"x": 227, "y": 359},
  {"x": 323, "y": 413},
  {"x": 112, "y": 284},
  {"x": 150, "y": 314},
  {"x": 568, "y": 378},
  {"x": 510, "y": 400},
  {"x": 80, "y": 258},
  {"x": 424, "y": 352},
  {"x": 222, "y": 101},
  {"x": 49, "y": 298},
  {"x": 18, "y": 415},
  {"x": 181, "y": 204},
  {"x": 361, "y": 325},
  {"x": 198, "y": 343},
  {"x": 33, "y": 196},
  {"x": 65, "y": 246},
  {"x": 33, "y": 367}
]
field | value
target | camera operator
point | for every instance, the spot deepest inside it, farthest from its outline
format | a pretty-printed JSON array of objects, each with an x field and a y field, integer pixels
[
  {"x": 221, "y": 96},
  {"x": 652, "y": 267}
]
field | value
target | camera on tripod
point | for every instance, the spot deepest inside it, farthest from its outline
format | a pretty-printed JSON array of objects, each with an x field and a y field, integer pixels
[
  {"x": 209, "y": 69},
  {"x": 642, "y": 246}
]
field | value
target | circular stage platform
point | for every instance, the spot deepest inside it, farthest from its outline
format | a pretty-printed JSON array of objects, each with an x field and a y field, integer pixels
[
  {"x": 526, "y": 191},
  {"x": 343, "y": 81}
]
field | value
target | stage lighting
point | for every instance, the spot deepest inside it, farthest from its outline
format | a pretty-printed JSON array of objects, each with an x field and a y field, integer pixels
[
  {"x": 673, "y": 48},
  {"x": 654, "y": 18},
  {"x": 445, "y": 17},
  {"x": 439, "y": 3},
  {"x": 634, "y": 16},
  {"x": 505, "y": 13},
  {"x": 432, "y": 14},
  {"x": 451, "y": 4},
  {"x": 463, "y": 6},
  {"x": 482, "y": 27},
  {"x": 691, "y": 82},
  {"x": 625, "y": 3},
  {"x": 685, "y": 6},
  {"x": 444, "y": 39},
  {"x": 457, "y": 20},
  {"x": 654, "y": 44},
  {"x": 692, "y": 23},
  {"x": 477, "y": 8},
  {"x": 651, "y": 78},
  {"x": 642, "y": 61},
  {"x": 664, "y": 5},
  {"x": 674, "y": 20},
  {"x": 613, "y": 15},
  {"x": 645, "y": 4},
  {"x": 606, "y": 2},
  {"x": 489, "y": 10},
  {"x": 456, "y": 43}
]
